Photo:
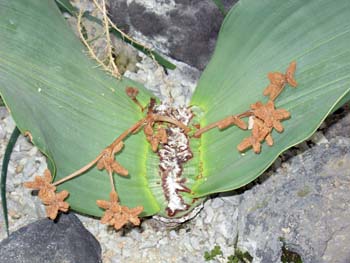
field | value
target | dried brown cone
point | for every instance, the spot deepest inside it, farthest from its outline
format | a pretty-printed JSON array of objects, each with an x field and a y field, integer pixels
[
  {"x": 269, "y": 115},
  {"x": 259, "y": 133},
  {"x": 107, "y": 161},
  {"x": 148, "y": 129},
  {"x": 41, "y": 182},
  {"x": 279, "y": 80},
  {"x": 117, "y": 215},
  {"x": 275, "y": 87},
  {"x": 155, "y": 138},
  {"x": 54, "y": 202},
  {"x": 154, "y": 141},
  {"x": 162, "y": 135},
  {"x": 132, "y": 92}
]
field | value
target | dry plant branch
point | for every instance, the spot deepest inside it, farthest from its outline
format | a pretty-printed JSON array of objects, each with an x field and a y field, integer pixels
[
  {"x": 222, "y": 124},
  {"x": 109, "y": 23},
  {"x": 78, "y": 172},
  {"x": 111, "y": 63},
  {"x": 91, "y": 52}
]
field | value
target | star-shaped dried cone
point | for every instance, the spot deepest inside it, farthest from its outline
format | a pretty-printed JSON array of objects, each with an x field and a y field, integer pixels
[{"x": 117, "y": 215}]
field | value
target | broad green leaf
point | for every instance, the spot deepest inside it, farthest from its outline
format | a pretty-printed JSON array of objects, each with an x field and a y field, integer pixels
[
  {"x": 263, "y": 36},
  {"x": 71, "y": 107}
]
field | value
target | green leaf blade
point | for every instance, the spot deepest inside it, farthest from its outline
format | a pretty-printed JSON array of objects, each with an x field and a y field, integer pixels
[
  {"x": 72, "y": 109},
  {"x": 258, "y": 37}
]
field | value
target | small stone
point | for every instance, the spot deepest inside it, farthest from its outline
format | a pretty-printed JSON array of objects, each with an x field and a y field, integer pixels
[
  {"x": 2, "y": 133},
  {"x": 319, "y": 138},
  {"x": 285, "y": 230},
  {"x": 148, "y": 244},
  {"x": 173, "y": 234},
  {"x": 10, "y": 124},
  {"x": 176, "y": 92},
  {"x": 29, "y": 168},
  {"x": 163, "y": 241},
  {"x": 13, "y": 214},
  {"x": 33, "y": 151},
  {"x": 19, "y": 168},
  {"x": 3, "y": 113}
]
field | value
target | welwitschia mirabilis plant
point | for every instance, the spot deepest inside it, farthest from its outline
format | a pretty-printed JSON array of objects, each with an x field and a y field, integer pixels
[{"x": 73, "y": 110}]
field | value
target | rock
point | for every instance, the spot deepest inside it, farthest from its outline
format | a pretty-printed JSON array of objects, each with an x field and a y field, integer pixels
[
  {"x": 182, "y": 29},
  {"x": 338, "y": 124},
  {"x": 46, "y": 241},
  {"x": 305, "y": 207}
]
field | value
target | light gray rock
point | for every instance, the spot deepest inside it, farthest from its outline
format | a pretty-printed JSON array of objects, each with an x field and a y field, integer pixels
[
  {"x": 338, "y": 124},
  {"x": 305, "y": 205}
]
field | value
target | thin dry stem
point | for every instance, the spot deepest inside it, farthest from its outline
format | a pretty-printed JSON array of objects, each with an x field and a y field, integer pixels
[
  {"x": 173, "y": 121},
  {"x": 198, "y": 133},
  {"x": 132, "y": 93},
  {"x": 78, "y": 172},
  {"x": 110, "y": 22},
  {"x": 138, "y": 104},
  {"x": 273, "y": 98},
  {"x": 108, "y": 38},
  {"x": 127, "y": 132},
  {"x": 91, "y": 52},
  {"x": 110, "y": 173},
  {"x": 113, "y": 145},
  {"x": 125, "y": 36},
  {"x": 93, "y": 162}
]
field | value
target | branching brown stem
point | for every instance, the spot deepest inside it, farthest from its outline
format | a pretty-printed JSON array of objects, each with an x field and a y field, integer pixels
[
  {"x": 113, "y": 145},
  {"x": 132, "y": 93},
  {"x": 111, "y": 62},
  {"x": 78, "y": 172},
  {"x": 124, "y": 36},
  {"x": 158, "y": 118},
  {"x": 218, "y": 124},
  {"x": 93, "y": 162},
  {"x": 82, "y": 38}
]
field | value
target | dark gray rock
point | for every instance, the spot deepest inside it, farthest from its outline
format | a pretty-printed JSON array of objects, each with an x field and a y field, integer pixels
[
  {"x": 186, "y": 30},
  {"x": 43, "y": 241},
  {"x": 338, "y": 124}
]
